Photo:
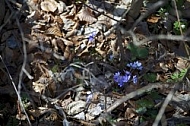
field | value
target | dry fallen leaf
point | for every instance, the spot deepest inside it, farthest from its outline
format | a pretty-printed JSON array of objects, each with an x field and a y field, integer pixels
[
  {"x": 67, "y": 52},
  {"x": 49, "y": 5},
  {"x": 86, "y": 15},
  {"x": 37, "y": 87},
  {"x": 153, "y": 19},
  {"x": 61, "y": 6},
  {"x": 53, "y": 31},
  {"x": 67, "y": 42},
  {"x": 182, "y": 64},
  {"x": 21, "y": 117},
  {"x": 58, "y": 20},
  {"x": 75, "y": 107}
]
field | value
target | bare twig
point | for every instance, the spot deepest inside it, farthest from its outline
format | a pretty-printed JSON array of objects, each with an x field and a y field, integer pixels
[
  {"x": 177, "y": 14},
  {"x": 18, "y": 95},
  {"x": 136, "y": 93},
  {"x": 24, "y": 62},
  {"x": 166, "y": 102},
  {"x": 161, "y": 37}
]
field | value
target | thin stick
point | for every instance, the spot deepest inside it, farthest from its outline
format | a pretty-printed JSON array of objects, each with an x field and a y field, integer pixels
[
  {"x": 23, "y": 65},
  {"x": 177, "y": 14},
  {"x": 18, "y": 95},
  {"x": 166, "y": 102},
  {"x": 136, "y": 93}
]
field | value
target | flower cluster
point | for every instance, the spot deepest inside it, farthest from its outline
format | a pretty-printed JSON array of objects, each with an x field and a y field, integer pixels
[
  {"x": 121, "y": 79},
  {"x": 135, "y": 65}
]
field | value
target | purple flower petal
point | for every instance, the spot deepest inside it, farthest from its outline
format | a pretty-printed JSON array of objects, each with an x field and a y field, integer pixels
[
  {"x": 135, "y": 65},
  {"x": 116, "y": 77},
  {"x": 91, "y": 37},
  {"x": 127, "y": 76}
]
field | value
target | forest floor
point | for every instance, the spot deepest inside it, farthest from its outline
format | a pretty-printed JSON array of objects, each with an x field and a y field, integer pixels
[{"x": 94, "y": 63}]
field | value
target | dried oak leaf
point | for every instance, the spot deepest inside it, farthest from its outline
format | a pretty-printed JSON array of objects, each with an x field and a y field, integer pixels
[
  {"x": 49, "y": 5},
  {"x": 54, "y": 31},
  {"x": 182, "y": 64},
  {"x": 58, "y": 20},
  {"x": 86, "y": 15}
]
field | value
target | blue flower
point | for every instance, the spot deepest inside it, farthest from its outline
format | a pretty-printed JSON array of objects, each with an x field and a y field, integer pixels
[
  {"x": 135, "y": 79},
  {"x": 116, "y": 76},
  {"x": 122, "y": 79},
  {"x": 127, "y": 76},
  {"x": 135, "y": 65},
  {"x": 91, "y": 37}
]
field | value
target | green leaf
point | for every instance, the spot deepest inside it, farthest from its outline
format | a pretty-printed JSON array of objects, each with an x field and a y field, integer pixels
[
  {"x": 142, "y": 52},
  {"x": 143, "y": 105},
  {"x": 177, "y": 76},
  {"x": 133, "y": 49},
  {"x": 154, "y": 95},
  {"x": 138, "y": 52},
  {"x": 152, "y": 113},
  {"x": 150, "y": 77},
  {"x": 177, "y": 25}
]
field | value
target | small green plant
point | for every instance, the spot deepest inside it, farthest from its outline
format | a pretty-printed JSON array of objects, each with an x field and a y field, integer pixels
[
  {"x": 162, "y": 11},
  {"x": 177, "y": 76},
  {"x": 179, "y": 24},
  {"x": 25, "y": 100},
  {"x": 138, "y": 52}
]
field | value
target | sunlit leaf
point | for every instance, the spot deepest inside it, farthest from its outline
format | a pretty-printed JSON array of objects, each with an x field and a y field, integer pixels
[{"x": 177, "y": 76}]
